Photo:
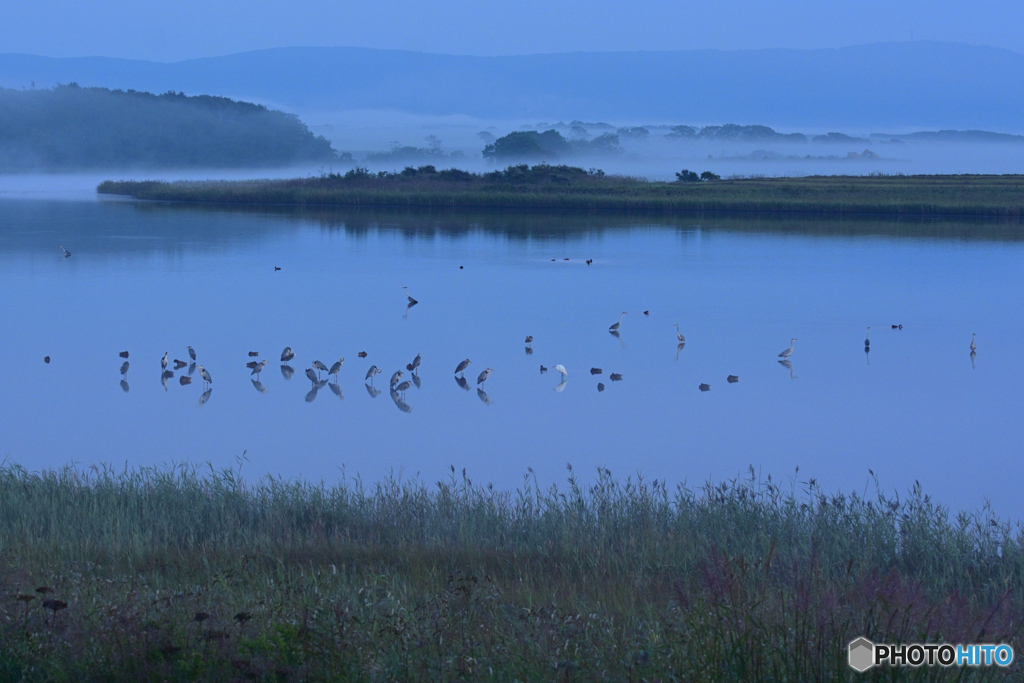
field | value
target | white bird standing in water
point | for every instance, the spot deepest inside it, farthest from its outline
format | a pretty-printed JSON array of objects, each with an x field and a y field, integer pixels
[
  {"x": 615, "y": 327},
  {"x": 205, "y": 375},
  {"x": 679, "y": 335},
  {"x": 561, "y": 370},
  {"x": 974, "y": 347},
  {"x": 788, "y": 352},
  {"x": 412, "y": 302}
]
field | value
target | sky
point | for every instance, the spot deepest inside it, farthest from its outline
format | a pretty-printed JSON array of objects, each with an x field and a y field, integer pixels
[{"x": 184, "y": 29}]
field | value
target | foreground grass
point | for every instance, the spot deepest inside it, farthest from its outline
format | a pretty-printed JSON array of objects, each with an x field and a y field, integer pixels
[
  {"x": 568, "y": 188},
  {"x": 172, "y": 574}
]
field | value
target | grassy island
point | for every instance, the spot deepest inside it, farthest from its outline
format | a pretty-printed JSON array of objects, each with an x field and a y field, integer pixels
[
  {"x": 575, "y": 189},
  {"x": 173, "y": 574}
]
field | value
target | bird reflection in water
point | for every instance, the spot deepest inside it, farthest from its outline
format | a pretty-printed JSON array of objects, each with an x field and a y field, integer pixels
[
  {"x": 287, "y": 371},
  {"x": 335, "y": 389},
  {"x": 164, "y": 376},
  {"x": 373, "y": 391},
  {"x": 403, "y": 387},
  {"x": 483, "y": 396},
  {"x": 416, "y": 380},
  {"x": 402, "y": 405},
  {"x": 205, "y": 397},
  {"x": 311, "y": 396},
  {"x": 124, "y": 386},
  {"x": 258, "y": 385},
  {"x": 788, "y": 364},
  {"x": 462, "y": 382},
  {"x": 679, "y": 348},
  {"x": 191, "y": 369},
  {"x": 974, "y": 355},
  {"x": 561, "y": 385}
]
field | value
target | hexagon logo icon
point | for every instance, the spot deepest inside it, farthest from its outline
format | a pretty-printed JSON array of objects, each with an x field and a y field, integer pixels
[{"x": 862, "y": 654}]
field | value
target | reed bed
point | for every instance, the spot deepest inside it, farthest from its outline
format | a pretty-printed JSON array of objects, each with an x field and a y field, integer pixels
[
  {"x": 182, "y": 573},
  {"x": 578, "y": 190}
]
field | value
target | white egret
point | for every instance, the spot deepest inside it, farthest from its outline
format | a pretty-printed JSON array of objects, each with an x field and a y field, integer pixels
[
  {"x": 561, "y": 370},
  {"x": 788, "y": 352},
  {"x": 615, "y": 327}
]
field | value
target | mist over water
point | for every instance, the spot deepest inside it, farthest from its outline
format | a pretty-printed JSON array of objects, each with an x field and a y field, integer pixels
[{"x": 154, "y": 278}]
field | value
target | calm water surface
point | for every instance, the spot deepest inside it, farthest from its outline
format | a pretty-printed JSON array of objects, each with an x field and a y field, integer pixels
[{"x": 153, "y": 278}]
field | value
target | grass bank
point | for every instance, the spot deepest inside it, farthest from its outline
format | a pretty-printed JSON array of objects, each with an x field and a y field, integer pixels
[
  {"x": 566, "y": 188},
  {"x": 178, "y": 574}
]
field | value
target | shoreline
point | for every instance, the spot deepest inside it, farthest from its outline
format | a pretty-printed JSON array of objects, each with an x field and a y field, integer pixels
[{"x": 557, "y": 190}]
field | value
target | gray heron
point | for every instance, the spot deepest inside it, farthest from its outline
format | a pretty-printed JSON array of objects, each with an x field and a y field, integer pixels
[
  {"x": 404, "y": 386},
  {"x": 412, "y": 302},
  {"x": 462, "y": 382},
  {"x": 484, "y": 375},
  {"x": 974, "y": 347},
  {"x": 258, "y": 385},
  {"x": 462, "y": 366},
  {"x": 374, "y": 370},
  {"x": 416, "y": 363},
  {"x": 163, "y": 362},
  {"x": 373, "y": 391},
  {"x": 679, "y": 335},
  {"x": 192, "y": 354},
  {"x": 259, "y": 368},
  {"x": 205, "y": 375},
  {"x": 320, "y": 367},
  {"x": 615, "y": 326},
  {"x": 287, "y": 371},
  {"x": 788, "y": 352},
  {"x": 287, "y": 354},
  {"x": 395, "y": 378},
  {"x": 482, "y": 395},
  {"x": 311, "y": 375},
  {"x": 336, "y": 390},
  {"x": 336, "y": 368},
  {"x": 205, "y": 396}
]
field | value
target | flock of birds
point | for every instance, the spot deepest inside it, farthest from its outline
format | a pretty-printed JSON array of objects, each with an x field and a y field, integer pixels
[{"x": 397, "y": 386}]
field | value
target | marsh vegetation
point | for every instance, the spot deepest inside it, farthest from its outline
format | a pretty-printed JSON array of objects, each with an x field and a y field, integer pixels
[{"x": 177, "y": 574}]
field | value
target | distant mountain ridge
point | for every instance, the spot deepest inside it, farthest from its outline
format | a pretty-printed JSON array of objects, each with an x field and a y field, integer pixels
[{"x": 884, "y": 85}]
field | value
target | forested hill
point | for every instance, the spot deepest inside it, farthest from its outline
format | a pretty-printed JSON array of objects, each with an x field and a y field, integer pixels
[{"x": 73, "y": 128}]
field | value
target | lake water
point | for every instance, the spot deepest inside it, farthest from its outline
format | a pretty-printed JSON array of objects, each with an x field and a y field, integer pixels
[{"x": 152, "y": 278}]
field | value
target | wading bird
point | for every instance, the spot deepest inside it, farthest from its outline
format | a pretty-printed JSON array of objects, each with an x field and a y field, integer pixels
[
  {"x": 416, "y": 363},
  {"x": 258, "y": 385},
  {"x": 395, "y": 378},
  {"x": 462, "y": 366},
  {"x": 336, "y": 368},
  {"x": 403, "y": 386},
  {"x": 483, "y": 396},
  {"x": 461, "y": 381},
  {"x": 192, "y": 354},
  {"x": 320, "y": 367},
  {"x": 259, "y": 368},
  {"x": 483, "y": 376},
  {"x": 163, "y": 362},
  {"x": 287, "y": 354},
  {"x": 373, "y": 391},
  {"x": 974, "y": 347},
  {"x": 788, "y": 352},
  {"x": 311, "y": 375},
  {"x": 412, "y": 302},
  {"x": 374, "y": 370},
  {"x": 679, "y": 335},
  {"x": 615, "y": 326},
  {"x": 205, "y": 375},
  {"x": 561, "y": 370},
  {"x": 867, "y": 338}
]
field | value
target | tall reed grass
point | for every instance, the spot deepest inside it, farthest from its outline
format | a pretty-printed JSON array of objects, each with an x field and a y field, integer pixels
[{"x": 181, "y": 573}]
